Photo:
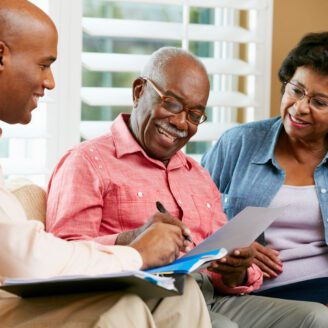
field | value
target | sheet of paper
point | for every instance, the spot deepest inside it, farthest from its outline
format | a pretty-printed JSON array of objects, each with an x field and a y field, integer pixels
[{"x": 240, "y": 231}]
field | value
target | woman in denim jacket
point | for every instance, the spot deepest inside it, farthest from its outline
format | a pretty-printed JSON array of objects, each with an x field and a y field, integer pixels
[{"x": 283, "y": 161}]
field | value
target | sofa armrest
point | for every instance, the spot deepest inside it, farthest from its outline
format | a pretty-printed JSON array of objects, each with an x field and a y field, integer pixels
[{"x": 31, "y": 196}]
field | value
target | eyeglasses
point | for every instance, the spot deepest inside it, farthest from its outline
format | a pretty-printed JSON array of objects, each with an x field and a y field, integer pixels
[
  {"x": 298, "y": 93},
  {"x": 174, "y": 106}
]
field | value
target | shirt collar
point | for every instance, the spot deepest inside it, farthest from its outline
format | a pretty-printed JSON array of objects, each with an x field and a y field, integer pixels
[
  {"x": 266, "y": 151},
  {"x": 126, "y": 144}
]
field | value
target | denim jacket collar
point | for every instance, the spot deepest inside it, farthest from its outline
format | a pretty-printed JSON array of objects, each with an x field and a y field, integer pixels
[{"x": 266, "y": 150}]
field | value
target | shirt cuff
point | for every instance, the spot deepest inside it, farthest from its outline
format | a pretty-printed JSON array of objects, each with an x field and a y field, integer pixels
[
  {"x": 254, "y": 281},
  {"x": 129, "y": 258}
]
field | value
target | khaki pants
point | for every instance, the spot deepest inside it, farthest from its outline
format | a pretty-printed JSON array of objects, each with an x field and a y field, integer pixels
[
  {"x": 107, "y": 310},
  {"x": 260, "y": 312}
]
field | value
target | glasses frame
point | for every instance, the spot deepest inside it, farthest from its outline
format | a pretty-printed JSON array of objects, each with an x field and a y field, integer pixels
[
  {"x": 183, "y": 107},
  {"x": 304, "y": 94}
]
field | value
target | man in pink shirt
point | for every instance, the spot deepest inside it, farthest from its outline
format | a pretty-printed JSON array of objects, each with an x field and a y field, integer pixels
[{"x": 106, "y": 189}]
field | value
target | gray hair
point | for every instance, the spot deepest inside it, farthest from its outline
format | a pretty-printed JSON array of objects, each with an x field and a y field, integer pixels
[{"x": 161, "y": 57}]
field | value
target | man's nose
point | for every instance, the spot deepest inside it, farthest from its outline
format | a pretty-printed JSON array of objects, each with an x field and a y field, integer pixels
[
  {"x": 179, "y": 121},
  {"x": 49, "y": 81}
]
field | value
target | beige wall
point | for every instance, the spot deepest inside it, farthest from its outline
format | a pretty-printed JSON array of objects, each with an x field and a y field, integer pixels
[{"x": 291, "y": 20}]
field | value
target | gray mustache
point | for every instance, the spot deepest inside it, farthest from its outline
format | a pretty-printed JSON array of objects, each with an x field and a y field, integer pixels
[{"x": 171, "y": 129}]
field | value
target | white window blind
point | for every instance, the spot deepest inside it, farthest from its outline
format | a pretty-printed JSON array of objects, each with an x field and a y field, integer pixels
[
  {"x": 103, "y": 46},
  {"x": 120, "y": 35}
]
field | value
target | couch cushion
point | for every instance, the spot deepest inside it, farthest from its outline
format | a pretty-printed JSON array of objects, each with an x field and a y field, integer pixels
[{"x": 31, "y": 196}]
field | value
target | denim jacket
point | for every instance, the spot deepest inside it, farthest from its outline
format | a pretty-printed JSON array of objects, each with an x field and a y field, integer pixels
[{"x": 243, "y": 167}]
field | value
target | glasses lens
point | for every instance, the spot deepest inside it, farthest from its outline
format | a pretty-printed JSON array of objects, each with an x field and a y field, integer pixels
[
  {"x": 196, "y": 116},
  {"x": 319, "y": 103},
  {"x": 172, "y": 105},
  {"x": 294, "y": 91}
]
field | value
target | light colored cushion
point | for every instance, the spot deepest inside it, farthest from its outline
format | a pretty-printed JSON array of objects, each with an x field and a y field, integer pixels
[{"x": 31, "y": 196}]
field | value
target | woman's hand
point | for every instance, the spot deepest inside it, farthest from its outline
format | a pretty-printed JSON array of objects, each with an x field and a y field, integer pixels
[{"x": 267, "y": 259}]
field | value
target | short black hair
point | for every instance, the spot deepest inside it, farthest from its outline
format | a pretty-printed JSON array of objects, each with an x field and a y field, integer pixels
[{"x": 311, "y": 51}]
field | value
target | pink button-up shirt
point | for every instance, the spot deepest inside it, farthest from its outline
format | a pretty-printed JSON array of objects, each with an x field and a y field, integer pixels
[{"x": 108, "y": 185}]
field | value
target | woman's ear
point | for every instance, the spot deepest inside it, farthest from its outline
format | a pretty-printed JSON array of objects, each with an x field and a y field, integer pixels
[{"x": 138, "y": 90}]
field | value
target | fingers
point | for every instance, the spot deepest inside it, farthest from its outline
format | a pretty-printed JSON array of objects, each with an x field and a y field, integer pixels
[
  {"x": 238, "y": 259},
  {"x": 160, "y": 244},
  {"x": 246, "y": 252},
  {"x": 268, "y": 272},
  {"x": 267, "y": 260},
  {"x": 267, "y": 252},
  {"x": 169, "y": 219}
]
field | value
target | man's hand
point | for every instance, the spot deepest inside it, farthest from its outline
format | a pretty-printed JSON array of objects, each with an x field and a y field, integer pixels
[
  {"x": 267, "y": 259},
  {"x": 159, "y": 244},
  {"x": 233, "y": 268},
  {"x": 126, "y": 237}
]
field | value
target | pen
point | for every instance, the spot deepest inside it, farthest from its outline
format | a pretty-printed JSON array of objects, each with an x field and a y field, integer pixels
[{"x": 162, "y": 209}]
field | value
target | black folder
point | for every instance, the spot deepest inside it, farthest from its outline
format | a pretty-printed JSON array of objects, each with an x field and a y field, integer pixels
[{"x": 128, "y": 282}]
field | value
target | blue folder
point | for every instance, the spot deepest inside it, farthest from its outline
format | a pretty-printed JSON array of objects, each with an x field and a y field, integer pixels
[{"x": 191, "y": 263}]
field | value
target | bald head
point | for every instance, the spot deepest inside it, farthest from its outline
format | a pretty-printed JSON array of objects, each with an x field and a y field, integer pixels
[
  {"x": 163, "y": 57},
  {"x": 19, "y": 18}
]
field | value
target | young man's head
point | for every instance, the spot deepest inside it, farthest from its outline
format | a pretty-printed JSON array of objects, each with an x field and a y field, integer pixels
[
  {"x": 169, "y": 102},
  {"x": 28, "y": 47}
]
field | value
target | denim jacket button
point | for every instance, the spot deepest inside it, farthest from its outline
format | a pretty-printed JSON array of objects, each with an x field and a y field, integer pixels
[{"x": 323, "y": 190}]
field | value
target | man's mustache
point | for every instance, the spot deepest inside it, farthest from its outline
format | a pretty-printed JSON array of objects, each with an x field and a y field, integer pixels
[{"x": 171, "y": 129}]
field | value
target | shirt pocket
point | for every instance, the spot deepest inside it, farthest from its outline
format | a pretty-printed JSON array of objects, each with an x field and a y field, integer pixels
[
  {"x": 136, "y": 205},
  {"x": 233, "y": 205},
  {"x": 204, "y": 216}
]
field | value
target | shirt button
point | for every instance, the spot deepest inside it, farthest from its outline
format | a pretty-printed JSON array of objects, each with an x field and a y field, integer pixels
[
  {"x": 100, "y": 166},
  {"x": 323, "y": 190},
  {"x": 139, "y": 194},
  {"x": 96, "y": 158},
  {"x": 208, "y": 205},
  {"x": 179, "y": 201},
  {"x": 91, "y": 149}
]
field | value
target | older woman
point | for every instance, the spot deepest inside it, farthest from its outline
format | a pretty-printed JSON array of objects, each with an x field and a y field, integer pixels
[{"x": 283, "y": 161}]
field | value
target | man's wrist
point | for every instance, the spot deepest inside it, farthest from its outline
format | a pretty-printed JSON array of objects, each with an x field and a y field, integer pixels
[{"x": 126, "y": 237}]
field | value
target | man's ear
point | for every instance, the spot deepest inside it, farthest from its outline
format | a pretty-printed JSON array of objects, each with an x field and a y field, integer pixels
[
  {"x": 138, "y": 90},
  {"x": 3, "y": 50}
]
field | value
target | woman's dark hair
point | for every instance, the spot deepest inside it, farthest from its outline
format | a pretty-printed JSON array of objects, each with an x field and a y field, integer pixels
[{"x": 311, "y": 51}]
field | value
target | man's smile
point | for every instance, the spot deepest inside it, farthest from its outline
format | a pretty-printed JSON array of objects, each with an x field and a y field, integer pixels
[{"x": 171, "y": 137}]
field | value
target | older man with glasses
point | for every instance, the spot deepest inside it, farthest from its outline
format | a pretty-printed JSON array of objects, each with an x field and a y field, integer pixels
[{"x": 106, "y": 190}]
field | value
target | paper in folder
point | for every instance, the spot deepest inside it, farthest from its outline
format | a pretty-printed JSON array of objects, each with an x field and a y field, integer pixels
[{"x": 239, "y": 232}]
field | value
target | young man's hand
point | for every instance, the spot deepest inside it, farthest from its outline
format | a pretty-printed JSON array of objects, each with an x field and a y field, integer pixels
[{"x": 159, "y": 244}]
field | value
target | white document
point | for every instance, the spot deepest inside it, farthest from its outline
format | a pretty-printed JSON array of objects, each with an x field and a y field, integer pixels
[{"x": 240, "y": 231}]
